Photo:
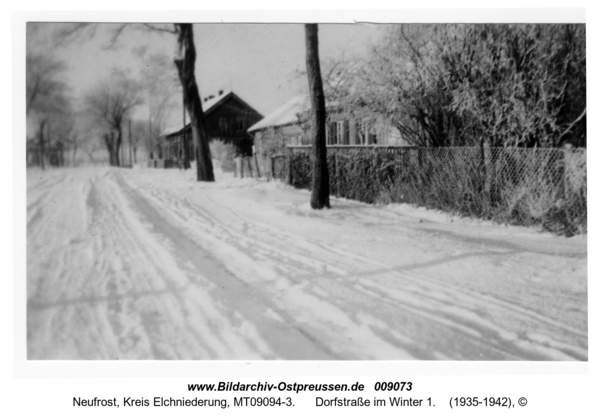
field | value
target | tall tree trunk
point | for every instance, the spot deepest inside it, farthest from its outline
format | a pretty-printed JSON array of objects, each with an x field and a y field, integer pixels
[
  {"x": 117, "y": 146},
  {"x": 186, "y": 65},
  {"x": 74, "y": 150},
  {"x": 113, "y": 151},
  {"x": 108, "y": 142},
  {"x": 42, "y": 145},
  {"x": 61, "y": 155},
  {"x": 130, "y": 146},
  {"x": 320, "y": 176},
  {"x": 186, "y": 153}
]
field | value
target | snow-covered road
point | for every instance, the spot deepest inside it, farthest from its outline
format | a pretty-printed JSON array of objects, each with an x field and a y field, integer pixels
[{"x": 149, "y": 264}]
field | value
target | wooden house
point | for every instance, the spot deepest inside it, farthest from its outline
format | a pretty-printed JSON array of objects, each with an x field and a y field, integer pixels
[{"x": 228, "y": 118}]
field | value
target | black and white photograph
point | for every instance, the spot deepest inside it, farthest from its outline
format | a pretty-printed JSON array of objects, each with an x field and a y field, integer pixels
[{"x": 306, "y": 191}]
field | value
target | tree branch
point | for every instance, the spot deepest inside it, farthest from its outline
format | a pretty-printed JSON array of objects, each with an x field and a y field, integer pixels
[
  {"x": 74, "y": 30},
  {"x": 153, "y": 28},
  {"x": 114, "y": 38},
  {"x": 573, "y": 124}
]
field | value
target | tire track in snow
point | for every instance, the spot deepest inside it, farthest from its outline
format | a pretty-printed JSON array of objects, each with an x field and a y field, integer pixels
[
  {"x": 224, "y": 231},
  {"x": 314, "y": 312}
]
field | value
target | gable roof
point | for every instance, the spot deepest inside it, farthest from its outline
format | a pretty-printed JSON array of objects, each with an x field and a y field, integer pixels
[
  {"x": 208, "y": 106},
  {"x": 284, "y": 115}
]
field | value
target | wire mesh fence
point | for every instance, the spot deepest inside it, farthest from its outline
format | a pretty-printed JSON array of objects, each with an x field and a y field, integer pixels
[{"x": 545, "y": 187}]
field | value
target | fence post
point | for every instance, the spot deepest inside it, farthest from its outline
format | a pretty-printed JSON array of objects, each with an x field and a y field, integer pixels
[
  {"x": 290, "y": 178},
  {"x": 256, "y": 164},
  {"x": 247, "y": 158},
  {"x": 486, "y": 154},
  {"x": 239, "y": 167},
  {"x": 272, "y": 167}
]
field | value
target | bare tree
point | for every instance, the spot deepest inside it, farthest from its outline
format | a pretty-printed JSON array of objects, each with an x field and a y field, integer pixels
[
  {"x": 320, "y": 176},
  {"x": 110, "y": 103}
]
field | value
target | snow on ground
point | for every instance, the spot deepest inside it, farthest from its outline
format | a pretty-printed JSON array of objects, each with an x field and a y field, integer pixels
[{"x": 150, "y": 264}]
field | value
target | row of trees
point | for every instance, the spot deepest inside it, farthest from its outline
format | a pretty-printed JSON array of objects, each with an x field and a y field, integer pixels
[
  {"x": 461, "y": 85},
  {"x": 105, "y": 114}
]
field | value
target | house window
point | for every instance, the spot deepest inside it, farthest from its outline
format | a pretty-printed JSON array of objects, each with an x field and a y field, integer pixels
[
  {"x": 342, "y": 131},
  {"x": 338, "y": 133},
  {"x": 331, "y": 133},
  {"x": 339, "y": 130},
  {"x": 365, "y": 132},
  {"x": 345, "y": 136},
  {"x": 360, "y": 133}
]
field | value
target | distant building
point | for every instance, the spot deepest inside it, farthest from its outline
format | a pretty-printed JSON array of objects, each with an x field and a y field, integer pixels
[
  {"x": 288, "y": 125},
  {"x": 228, "y": 118}
]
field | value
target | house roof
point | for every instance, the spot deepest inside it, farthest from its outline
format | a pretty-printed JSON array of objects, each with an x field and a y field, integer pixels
[
  {"x": 207, "y": 107},
  {"x": 284, "y": 115}
]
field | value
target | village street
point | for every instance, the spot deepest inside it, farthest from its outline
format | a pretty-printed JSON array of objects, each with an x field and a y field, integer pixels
[{"x": 150, "y": 264}]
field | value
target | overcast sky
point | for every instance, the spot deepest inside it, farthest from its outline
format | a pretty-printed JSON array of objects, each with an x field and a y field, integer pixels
[{"x": 257, "y": 61}]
